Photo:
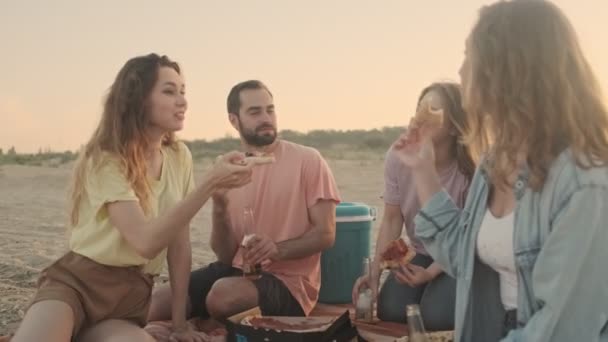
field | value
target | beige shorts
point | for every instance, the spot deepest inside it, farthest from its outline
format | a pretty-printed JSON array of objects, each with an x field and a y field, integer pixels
[{"x": 96, "y": 292}]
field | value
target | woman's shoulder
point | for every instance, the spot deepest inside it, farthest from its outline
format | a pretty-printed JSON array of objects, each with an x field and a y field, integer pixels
[
  {"x": 582, "y": 170},
  {"x": 104, "y": 162},
  {"x": 569, "y": 174},
  {"x": 178, "y": 151},
  {"x": 393, "y": 163}
]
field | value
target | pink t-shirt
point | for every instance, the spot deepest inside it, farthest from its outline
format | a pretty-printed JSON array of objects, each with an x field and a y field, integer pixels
[
  {"x": 399, "y": 189},
  {"x": 280, "y": 195}
]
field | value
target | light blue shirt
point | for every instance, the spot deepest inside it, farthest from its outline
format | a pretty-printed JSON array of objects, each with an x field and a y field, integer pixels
[{"x": 560, "y": 243}]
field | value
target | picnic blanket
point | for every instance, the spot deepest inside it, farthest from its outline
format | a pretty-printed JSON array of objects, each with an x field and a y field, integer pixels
[{"x": 213, "y": 331}]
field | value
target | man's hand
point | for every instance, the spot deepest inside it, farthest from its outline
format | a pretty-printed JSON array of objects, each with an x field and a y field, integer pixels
[
  {"x": 413, "y": 275},
  {"x": 261, "y": 248}
]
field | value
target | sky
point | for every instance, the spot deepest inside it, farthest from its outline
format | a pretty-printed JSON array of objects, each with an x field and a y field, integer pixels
[{"x": 331, "y": 64}]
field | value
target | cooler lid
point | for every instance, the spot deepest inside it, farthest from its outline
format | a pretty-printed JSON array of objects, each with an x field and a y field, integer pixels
[{"x": 354, "y": 212}]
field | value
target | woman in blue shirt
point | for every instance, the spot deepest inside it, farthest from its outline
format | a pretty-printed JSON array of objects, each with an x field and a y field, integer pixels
[{"x": 529, "y": 248}]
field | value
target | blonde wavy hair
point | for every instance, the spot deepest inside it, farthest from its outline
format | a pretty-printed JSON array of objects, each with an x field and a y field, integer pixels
[
  {"x": 121, "y": 130},
  {"x": 528, "y": 87}
]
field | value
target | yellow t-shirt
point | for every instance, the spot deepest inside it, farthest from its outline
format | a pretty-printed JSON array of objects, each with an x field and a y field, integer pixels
[{"x": 96, "y": 238}]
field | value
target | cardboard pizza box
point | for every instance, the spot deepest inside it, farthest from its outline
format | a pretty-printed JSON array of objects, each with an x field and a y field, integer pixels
[{"x": 251, "y": 326}]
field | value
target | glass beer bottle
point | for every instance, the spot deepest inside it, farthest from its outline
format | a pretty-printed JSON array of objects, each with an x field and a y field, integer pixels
[
  {"x": 364, "y": 309},
  {"x": 249, "y": 271},
  {"x": 415, "y": 326}
]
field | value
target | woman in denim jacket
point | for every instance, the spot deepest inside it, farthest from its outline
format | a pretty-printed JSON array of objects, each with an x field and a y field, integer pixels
[{"x": 529, "y": 249}]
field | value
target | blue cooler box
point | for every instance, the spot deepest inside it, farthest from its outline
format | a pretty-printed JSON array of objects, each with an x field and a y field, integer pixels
[{"x": 341, "y": 264}]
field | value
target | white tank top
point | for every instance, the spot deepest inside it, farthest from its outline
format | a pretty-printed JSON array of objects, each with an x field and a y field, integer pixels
[{"x": 495, "y": 249}]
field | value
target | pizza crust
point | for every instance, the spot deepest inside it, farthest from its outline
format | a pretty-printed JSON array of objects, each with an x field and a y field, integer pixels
[
  {"x": 430, "y": 116},
  {"x": 258, "y": 158}
]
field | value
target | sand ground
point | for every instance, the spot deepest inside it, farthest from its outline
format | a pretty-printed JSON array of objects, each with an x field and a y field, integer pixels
[{"x": 33, "y": 216}]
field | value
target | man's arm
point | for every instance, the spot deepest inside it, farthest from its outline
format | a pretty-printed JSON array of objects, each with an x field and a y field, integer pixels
[
  {"x": 321, "y": 196},
  {"x": 223, "y": 242},
  {"x": 320, "y": 237}
]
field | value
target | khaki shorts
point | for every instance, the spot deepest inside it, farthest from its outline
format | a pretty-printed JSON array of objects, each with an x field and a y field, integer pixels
[{"x": 96, "y": 292}]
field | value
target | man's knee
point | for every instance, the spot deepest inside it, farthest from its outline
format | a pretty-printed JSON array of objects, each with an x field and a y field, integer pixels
[
  {"x": 219, "y": 300},
  {"x": 229, "y": 296}
]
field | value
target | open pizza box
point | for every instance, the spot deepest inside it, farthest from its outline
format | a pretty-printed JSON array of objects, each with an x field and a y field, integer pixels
[{"x": 251, "y": 326}]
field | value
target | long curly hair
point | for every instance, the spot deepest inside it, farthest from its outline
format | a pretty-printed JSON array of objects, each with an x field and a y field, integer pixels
[
  {"x": 121, "y": 130},
  {"x": 530, "y": 91}
]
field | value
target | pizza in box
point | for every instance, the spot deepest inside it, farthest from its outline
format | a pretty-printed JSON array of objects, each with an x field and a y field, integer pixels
[{"x": 291, "y": 324}]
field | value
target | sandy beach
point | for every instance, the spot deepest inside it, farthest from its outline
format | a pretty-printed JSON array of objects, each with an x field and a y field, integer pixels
[{"x": 33, "y": 229}]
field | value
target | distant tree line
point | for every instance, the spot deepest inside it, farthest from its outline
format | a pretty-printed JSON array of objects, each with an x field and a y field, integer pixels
[
  {"x": 332, "y": 143},
  {"x": 42, "y": 157},
  {"x": 349, "y": 144}
]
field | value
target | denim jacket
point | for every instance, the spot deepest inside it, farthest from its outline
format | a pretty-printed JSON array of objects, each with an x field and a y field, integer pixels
[{"x": 560, "y": 244}]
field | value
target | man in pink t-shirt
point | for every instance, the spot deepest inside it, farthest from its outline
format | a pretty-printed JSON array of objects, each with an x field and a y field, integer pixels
[{"x": 293, "y": 201}]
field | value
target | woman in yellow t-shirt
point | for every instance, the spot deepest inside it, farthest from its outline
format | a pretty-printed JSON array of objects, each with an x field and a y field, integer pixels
[{"x": 132, "y": 200}]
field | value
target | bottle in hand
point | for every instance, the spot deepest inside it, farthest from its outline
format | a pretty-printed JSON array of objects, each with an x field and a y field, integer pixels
[
  {"x": 364, "y": 308},
  {"x": 250, "y": 271}
]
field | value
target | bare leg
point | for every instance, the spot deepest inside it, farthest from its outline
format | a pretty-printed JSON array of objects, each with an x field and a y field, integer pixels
[
  {"x": 114, "y": 330},
  {"x": 160, "y": 307},
  {"x": 231, "y": 295},
  {"x": 49, "y": 320}
]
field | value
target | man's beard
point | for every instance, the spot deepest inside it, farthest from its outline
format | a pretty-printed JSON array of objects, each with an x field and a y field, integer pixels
[{"x": 252, "y": 137}]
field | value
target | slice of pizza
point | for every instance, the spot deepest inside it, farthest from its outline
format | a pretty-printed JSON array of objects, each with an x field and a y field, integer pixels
[
  {"x": 293, "y": 324},
  {"x": 428, "y": 115},
  {"x": 258, "y": 158},
  {"x": 397, "y": 253}
]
